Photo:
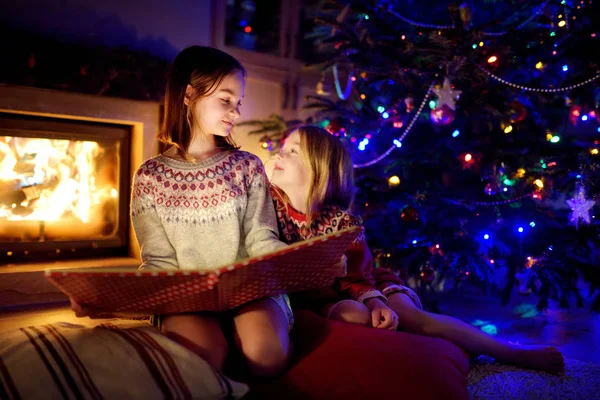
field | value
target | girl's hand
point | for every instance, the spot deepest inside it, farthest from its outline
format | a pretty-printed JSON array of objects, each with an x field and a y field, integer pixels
[
  {"x": 383, "y": 316},
  {"x": 339, "y": 269}
]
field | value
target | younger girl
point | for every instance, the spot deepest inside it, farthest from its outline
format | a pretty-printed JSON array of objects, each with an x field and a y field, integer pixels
[
  {"x": 203, "y": 204},
  {"x": 313, "y": 187}
]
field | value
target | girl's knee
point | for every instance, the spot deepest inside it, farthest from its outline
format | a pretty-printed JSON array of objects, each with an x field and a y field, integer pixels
[
  {"x": 266, "y": 356},
  {"x": 351, "y": 312}
]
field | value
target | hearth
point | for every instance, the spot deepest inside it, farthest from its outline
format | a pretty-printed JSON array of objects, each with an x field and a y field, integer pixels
[{"x": 64, "y": 188}]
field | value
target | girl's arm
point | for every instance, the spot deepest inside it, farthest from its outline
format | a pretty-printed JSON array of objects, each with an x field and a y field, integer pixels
[
  {"x": 155, "y": 247},
  {"x": 359, "y": 283},
  {"x": 386, "y": 281},
  {"x": 260, "y": 222}
]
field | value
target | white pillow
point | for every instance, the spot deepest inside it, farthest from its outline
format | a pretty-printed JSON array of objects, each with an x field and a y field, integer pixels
[{"x": 125, "y": 361}]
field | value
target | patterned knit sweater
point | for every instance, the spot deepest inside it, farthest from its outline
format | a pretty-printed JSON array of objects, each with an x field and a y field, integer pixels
[
  {"x": 362, "y": 281},
  {"x": 202, "y": 215}
]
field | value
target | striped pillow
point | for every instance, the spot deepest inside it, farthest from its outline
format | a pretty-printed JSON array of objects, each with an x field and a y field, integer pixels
[{"x": 125, "y": 361}]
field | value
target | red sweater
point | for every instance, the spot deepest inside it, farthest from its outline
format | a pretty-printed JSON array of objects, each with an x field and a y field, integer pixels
[{"x": 362, "y": 281}]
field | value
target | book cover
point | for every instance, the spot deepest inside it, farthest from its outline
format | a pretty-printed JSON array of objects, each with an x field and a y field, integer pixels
[{"x": 297, "y": 267}]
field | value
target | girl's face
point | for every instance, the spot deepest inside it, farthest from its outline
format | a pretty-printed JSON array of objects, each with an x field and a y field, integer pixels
[
  {"x": 217, "y": 112},
  {"x": 291, "y": 172}
]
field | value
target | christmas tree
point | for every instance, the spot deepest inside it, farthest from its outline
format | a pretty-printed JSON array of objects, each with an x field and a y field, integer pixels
[{"x": 474, "y": 129}]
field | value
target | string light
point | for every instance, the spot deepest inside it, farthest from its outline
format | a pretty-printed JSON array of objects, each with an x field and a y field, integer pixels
[
  {"x": 530, "y": 89},
  {"x": 443, "y": 27},
  {"x": 394, "y": 181},
  {"x": 401, "y": 138}
]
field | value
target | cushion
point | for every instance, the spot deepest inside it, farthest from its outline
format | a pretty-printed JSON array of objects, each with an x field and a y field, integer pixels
[
  {"x": 130, "y": 360},
  {"x": 335, "y": 360}
]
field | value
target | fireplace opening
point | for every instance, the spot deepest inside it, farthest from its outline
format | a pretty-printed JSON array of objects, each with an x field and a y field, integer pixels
[{"x": 64, "y": 188}]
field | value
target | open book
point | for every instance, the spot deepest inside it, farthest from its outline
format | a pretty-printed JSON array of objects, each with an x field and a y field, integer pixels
[{"x": 300, "y": 266}]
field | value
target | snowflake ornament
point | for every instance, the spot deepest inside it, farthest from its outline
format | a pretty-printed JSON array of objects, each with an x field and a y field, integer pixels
[{"x": 581, "y": 207}]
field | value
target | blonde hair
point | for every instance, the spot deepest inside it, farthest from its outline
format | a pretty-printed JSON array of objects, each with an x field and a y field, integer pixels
[{"x": 331, "y": 170}]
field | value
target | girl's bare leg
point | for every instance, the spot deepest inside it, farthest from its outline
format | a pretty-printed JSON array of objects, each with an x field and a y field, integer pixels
[
  {"x": 471, "y": 339},
  {"x": 262, "y": 334},
  {"x": 199, "y": 333}
]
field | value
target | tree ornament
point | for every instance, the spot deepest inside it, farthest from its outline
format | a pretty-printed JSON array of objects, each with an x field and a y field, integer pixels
[
  {"x": 597, "y": 103},
  {"x": 441, "y": 115},
  {"x": 465, "y": 14},
  {"x": 580, "y": 207},
  {"x": 446, "y": 95},
  {"x": 409, "y": 101},
  {"x": 517, "y": 111},
  {"x": 427, "y": 274},
  {"x": 333, "y": 127},
  {"x": 409, "y": 214},
  {"x": 381, "y": 258},
  {"x": 323, "y": 86},
  {"x": 575, "y": 114},
  {"x": 523, "y": 278},
  {"x": 342, "y": 94}
]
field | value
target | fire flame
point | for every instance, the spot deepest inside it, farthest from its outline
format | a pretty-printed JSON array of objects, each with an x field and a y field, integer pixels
[{"x": 51, "y": 180}]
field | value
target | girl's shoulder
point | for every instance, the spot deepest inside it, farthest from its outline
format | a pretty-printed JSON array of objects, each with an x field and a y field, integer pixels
[
  {"x": 249, "y": 158},
  {"x": 339, "y": 217},
  {"x": 148, "y": 166}
]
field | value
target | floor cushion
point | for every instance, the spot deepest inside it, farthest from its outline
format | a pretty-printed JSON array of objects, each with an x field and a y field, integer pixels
[
  {"x": 334, "y": 360},
  {"x": 109, "y": 361}
]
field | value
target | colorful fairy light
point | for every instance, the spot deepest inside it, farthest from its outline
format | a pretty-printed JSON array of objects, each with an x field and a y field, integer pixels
[{"x": 394, "y": 181}]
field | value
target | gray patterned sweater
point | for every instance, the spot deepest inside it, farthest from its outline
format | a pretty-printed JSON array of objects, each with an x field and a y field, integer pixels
[{"x": 202, "y": 215}]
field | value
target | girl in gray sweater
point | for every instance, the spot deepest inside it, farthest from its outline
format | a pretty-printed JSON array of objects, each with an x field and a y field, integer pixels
[{"x": 203, "y": 204}]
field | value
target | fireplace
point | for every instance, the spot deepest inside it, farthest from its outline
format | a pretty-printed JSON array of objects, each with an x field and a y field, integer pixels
[
  {"x": 64, "y": 188},
  {"x": 66, "y": 164}
]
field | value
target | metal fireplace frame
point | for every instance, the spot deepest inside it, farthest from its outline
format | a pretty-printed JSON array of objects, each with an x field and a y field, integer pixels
[{"x": 32, "y": 126}]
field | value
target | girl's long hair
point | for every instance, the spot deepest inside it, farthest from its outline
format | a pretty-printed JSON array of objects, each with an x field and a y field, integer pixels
[
  {"x": 204, "y": 68},
  {"x": 331, "y": 171}
]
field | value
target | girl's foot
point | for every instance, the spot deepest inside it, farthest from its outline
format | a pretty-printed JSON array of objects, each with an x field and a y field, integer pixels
[{"x": 542, "y": 358}]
